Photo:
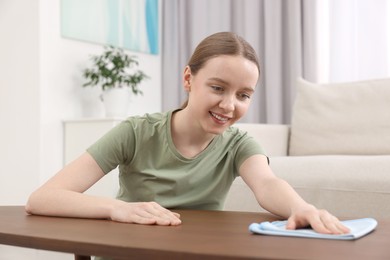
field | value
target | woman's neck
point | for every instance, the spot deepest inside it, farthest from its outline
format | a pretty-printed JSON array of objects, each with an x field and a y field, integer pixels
[{"x": 188, "y": 137}]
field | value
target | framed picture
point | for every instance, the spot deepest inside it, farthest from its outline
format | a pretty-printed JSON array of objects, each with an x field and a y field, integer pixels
[{"x": 129, "y": 24}]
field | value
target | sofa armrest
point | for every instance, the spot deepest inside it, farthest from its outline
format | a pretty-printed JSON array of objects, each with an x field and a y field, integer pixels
[{"x": 272, "y": 137}]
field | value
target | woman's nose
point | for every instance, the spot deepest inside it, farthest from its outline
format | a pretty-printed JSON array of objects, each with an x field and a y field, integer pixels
[{"x": 227, "y": 103}]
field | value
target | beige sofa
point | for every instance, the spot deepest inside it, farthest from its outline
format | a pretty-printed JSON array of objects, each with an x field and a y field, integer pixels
[{"x": 335, "y": 153}]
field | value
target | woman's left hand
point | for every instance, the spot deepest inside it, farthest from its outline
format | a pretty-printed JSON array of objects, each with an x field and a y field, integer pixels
[{"x": 319, "y": 220}]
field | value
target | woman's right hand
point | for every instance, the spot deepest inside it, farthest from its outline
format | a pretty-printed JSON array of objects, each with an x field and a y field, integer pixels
[
  {"x": 63, "y": 196},
  {"x": 148, "y": 213}
]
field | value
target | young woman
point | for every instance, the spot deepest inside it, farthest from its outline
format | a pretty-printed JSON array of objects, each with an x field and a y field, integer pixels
[{"x": 187, "y": 158}]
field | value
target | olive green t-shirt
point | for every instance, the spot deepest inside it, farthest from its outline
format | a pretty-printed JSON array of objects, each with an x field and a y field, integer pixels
[{"x": 151, "y": 168}]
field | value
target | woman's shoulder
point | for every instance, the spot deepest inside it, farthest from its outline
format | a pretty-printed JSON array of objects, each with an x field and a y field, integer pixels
[
  {"x": 147, "y": 124},
  {"x": 234, "y": 131},
  {"x": 148, "y": 118},
  {"x": 234, "y": 135}
]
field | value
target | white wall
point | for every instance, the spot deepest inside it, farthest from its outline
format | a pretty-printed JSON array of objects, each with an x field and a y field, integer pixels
[
  {"x": 19, "y": 100},
  {"x": 40, "y": 85},
  {"x": 62, "y": 94}
]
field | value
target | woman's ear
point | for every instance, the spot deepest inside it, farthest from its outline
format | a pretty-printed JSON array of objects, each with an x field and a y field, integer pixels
[{"x": 187, "y": 78}]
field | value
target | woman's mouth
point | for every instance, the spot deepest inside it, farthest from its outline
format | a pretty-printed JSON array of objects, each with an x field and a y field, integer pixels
[{"x": 219, "y": 118}]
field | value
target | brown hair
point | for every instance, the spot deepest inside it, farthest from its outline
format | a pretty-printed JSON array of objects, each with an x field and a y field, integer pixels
[{"x": 221, "y": 43}]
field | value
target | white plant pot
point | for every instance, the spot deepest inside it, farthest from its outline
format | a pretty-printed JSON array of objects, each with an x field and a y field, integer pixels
[{"x": 116, "y": 102}]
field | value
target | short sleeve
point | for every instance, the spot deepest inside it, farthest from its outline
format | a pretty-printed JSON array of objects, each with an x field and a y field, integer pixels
[
  {"x": 247, "y": 147},
  {"x": 115, "y": 147}
]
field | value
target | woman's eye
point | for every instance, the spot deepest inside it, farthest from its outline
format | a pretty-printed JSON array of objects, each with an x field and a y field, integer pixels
[
  {"x": 217, "y": 88},
  {"x": 244, "y": 96}
]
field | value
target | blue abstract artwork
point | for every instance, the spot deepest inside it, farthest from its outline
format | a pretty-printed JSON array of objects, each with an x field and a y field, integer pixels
[{"x": 129, "y": 24}]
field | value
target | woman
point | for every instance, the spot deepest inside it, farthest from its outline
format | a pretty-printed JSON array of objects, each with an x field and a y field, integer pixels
[{"x": 186, "y": 158}]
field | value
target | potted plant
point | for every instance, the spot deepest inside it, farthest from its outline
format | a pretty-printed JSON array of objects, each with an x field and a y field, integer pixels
[{"x": 115, "y": 72}]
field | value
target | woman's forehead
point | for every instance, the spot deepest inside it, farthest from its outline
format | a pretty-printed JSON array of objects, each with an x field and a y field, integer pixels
[{"x": 231, "y": 68}]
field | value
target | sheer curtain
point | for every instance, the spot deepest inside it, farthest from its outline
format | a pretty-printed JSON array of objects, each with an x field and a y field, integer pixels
[
  {"x": 357, "y": 41},
  {"x": 320, "y": 40},
  {"x": 282, "y": 32}
]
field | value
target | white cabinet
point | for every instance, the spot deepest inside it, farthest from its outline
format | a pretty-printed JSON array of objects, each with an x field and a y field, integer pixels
[{"x": 78, "y": 136}]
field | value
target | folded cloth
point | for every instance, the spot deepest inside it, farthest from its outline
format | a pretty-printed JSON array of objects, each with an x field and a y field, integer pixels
[{"x": 358, "y": 228}]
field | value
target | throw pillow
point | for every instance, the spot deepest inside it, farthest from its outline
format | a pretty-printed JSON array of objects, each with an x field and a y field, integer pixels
[{"x": 350, "y": 118}]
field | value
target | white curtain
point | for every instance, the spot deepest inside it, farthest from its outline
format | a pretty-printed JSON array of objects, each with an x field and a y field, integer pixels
[
  {"x": 358, "y": 40},
  {"x": 280, "y": 31},
  {"x": 320, "y": 40}
]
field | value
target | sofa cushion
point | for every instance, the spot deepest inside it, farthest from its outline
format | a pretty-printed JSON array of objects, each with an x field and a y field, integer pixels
[
  {"x": 345, "y": 118},
  {"x": 272, "y": 138},
  {"x": 347, "y": 186}
]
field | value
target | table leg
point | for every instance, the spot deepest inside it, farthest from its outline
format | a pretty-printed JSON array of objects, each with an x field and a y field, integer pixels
[{"x": 82, "y": 257}]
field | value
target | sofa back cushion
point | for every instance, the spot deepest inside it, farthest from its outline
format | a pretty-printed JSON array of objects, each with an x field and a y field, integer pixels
[
  {"x": 272, "y": 138},
  {"x": 345, "y": 118}
]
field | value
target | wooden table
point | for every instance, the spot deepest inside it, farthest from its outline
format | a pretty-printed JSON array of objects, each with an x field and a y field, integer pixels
[{"x": 202, "y": 235}]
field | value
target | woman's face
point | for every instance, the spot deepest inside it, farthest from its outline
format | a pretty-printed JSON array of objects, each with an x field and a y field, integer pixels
[{"x": 221, "y": 91}]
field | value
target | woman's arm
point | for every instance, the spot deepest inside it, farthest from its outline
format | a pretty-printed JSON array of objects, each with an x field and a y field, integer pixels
[
  {"x": 63, "y": 196},
  {"x": 278, "y": 197}
]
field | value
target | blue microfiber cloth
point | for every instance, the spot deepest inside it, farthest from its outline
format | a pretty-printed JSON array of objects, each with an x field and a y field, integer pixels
[{"x": 358, "y": 228}]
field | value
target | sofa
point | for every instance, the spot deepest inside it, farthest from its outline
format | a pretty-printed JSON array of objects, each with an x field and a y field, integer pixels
[{"x": 336, "y": 151}]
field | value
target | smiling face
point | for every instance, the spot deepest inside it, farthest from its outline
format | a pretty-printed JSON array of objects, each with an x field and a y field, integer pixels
[{"x": 220, "y": 92}]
